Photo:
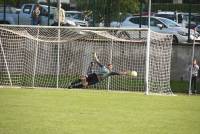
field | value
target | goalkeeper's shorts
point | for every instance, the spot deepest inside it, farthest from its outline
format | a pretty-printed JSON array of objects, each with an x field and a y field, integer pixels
[{"x": 92, "y": 79}]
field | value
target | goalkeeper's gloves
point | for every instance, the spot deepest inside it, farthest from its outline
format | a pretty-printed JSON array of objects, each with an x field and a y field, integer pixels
[
  {"x": 95, "y": 57},
  {"x": 129, "y": 72}
]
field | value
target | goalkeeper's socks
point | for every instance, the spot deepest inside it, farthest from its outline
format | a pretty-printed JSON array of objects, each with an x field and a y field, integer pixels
[
  {"x": 76, "y": 85},
  {"x": 70, "y": 86},
  {"x": 75, "y": 82}
]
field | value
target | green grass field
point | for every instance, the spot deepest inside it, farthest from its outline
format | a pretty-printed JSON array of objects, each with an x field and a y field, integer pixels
[{"x": 47, "y": 111}]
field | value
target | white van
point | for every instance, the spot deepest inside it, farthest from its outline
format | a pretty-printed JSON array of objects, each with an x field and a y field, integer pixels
[
  {"x": 195, "y": 20},
  {"x": 181, "y": 18},
  {"x": 175, "y": 16}
]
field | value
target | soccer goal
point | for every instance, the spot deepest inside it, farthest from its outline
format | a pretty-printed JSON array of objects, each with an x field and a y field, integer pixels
[{"x": 43, "y": 56}]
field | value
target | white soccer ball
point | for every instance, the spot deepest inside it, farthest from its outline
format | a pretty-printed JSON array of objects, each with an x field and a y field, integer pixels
[{"x": 134, "y": 73}]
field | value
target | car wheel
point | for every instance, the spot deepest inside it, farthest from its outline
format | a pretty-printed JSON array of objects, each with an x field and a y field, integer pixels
[
  {"x": 175, "y": 40},
  {"x": 4, "y": 22}
]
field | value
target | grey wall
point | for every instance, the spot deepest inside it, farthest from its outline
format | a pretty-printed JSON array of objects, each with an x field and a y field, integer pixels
[{"x": 181, "y": 59}]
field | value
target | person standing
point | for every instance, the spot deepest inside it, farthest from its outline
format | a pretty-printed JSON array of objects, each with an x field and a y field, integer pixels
[
  {"x": 36, "y": 15},
  {"x": 59, "y": 15},
  {"x": 195, "y": 69}
]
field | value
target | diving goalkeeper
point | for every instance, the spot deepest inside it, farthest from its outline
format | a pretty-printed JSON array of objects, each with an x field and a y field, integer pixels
[{"x": 95, "y": 77}]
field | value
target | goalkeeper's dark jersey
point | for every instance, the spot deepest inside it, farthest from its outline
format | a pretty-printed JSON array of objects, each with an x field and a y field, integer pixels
[
  {"x": 104, "y": 72},
  {"x": 93, "y": 78}
]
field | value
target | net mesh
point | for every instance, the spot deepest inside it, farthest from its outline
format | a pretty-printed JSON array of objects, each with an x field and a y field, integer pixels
[{"x": 53, "y": 57}]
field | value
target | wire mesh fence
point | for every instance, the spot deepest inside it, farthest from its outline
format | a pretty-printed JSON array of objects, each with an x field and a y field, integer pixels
[{"x": 185, "y": 13}]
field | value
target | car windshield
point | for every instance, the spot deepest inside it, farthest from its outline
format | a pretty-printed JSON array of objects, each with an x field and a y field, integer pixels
[
  {"x": 169, "y": 23},
  {"x": 52, "y": 9},
  {"x": 75, "y": 15},
  {"x": 168, "y": 16}
]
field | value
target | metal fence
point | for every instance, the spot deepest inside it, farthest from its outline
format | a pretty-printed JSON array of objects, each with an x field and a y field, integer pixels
[{"x": 185, "y": 12}]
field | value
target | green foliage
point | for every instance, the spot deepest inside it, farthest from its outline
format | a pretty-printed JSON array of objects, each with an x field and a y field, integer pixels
[
  {"x": 101, "y": 8},
  {"x": 108, "y": 8},
  {"x": 17, "y": 2},
  {"x": 129, "y": 6}
]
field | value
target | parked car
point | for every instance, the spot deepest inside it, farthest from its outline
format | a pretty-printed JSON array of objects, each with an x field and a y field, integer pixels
[
  {"x": 197, "y": 28},
  {"x": 11, "y": 16},
  {"x": 195, "y": 20},
  {"x": 182, "y": 18},
  {"x": 115, "y": 24},
  {"x": 77, "y": 17},
  {"x": 24, "y": 15},
  {"x": 162, "y": 25},
  {"x": 175, "y": 16}
]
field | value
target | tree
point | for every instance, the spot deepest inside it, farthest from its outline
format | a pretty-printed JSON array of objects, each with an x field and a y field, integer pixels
[
  {"x": 17, "y": 3},
  {"x": 108, "y": 10}
]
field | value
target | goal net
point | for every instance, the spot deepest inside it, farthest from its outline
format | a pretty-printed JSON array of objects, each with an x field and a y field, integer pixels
[{"x": 53, "y": 57}]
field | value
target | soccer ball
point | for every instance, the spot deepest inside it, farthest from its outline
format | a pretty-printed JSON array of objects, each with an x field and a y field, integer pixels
[{"x": 133, "y": 73}]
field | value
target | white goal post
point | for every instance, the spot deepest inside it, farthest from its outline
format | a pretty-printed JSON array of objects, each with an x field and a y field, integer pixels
[{"x": 42, "y": 56}]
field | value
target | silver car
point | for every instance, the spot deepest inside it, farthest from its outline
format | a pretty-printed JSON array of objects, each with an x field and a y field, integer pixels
[
  {"x": 162, "y": 25},
  {"x": 77, "y": 17}
]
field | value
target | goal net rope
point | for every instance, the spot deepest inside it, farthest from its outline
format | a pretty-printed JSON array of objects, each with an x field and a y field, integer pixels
[{"x": 40, "y": 56}]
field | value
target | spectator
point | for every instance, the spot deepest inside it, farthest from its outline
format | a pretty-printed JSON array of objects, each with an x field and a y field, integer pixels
[
  {"x": 36, "y": 15},
  {"x": 60, "y": 16},
  {"x": 195, "y": 69}
]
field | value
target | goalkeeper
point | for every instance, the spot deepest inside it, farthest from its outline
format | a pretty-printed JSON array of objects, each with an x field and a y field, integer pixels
[{"x": 93, "y": 78}]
